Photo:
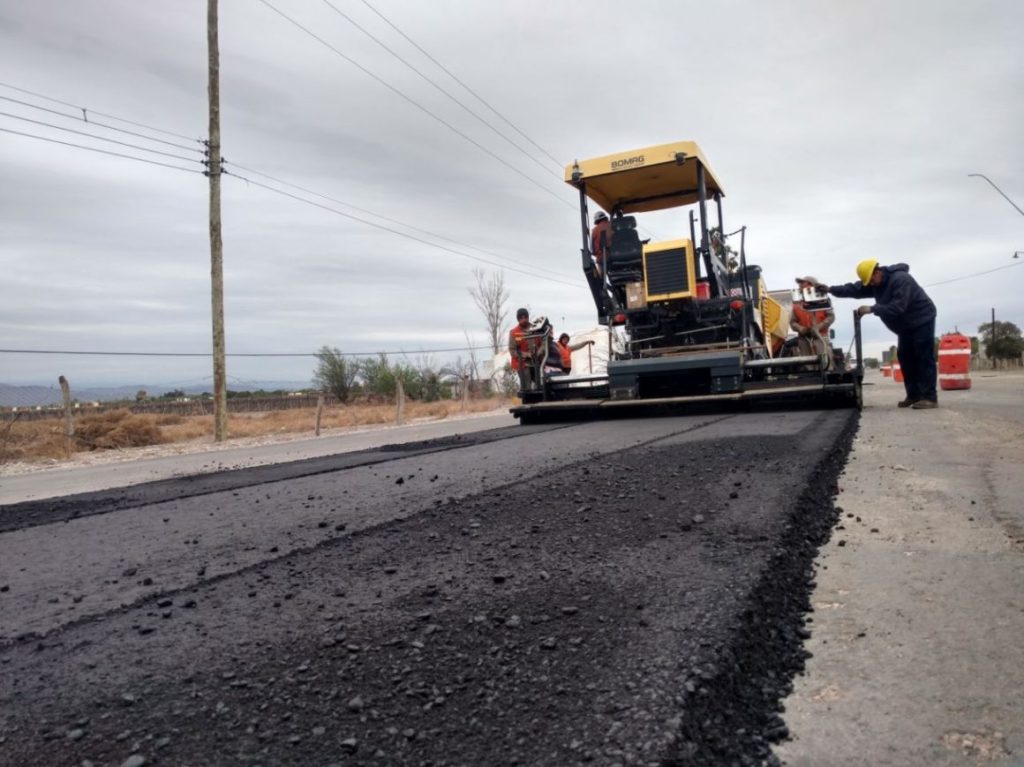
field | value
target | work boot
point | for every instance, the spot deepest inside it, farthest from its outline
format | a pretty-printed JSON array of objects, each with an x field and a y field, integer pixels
[
  {"x": 925, "y": 404},
  {"x": 908, "y": 402}
]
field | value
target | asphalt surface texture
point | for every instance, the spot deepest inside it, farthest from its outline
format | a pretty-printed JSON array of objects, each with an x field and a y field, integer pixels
[{"x": 632, "y": 592}]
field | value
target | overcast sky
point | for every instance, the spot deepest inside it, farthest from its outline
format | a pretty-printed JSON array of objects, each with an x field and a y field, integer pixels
[{"x": 840, "y": 131}]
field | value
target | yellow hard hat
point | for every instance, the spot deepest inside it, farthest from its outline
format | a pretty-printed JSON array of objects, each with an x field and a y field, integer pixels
[{"x": 865, "y": 269}]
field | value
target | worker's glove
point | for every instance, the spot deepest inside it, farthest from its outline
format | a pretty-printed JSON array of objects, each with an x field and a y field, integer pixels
[
  {"x": 862, "y": 310},
  {"x": 590, "y": 343}
]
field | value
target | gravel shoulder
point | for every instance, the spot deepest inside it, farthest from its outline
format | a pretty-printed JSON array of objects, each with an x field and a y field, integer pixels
[{"x": 919, "y": 606}]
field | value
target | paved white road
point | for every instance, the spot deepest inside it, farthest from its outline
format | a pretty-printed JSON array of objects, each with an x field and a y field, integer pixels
[{"x": 50, "y": 483}]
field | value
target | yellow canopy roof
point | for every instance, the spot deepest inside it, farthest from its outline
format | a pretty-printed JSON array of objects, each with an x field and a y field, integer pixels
[{"x": 654, "y": 178}]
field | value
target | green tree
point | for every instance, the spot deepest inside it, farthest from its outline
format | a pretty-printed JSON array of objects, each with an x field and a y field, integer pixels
[
  {"x": 378, "y": 377},
  {"x": 335, "y": 373},
  {"x": 1005, "y": 343},
  {"x": 871, "y": 362}
]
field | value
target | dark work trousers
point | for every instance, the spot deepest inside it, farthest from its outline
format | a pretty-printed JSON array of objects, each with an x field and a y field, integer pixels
[
  {"x": 916, "y": 352},
  {"x": 528, "y": 377}
]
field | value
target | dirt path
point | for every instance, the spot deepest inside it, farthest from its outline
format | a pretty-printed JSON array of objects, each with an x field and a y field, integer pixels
[{"x": 919, "y": 608}]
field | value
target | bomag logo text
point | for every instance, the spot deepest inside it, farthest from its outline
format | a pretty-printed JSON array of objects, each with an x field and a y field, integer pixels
[{"x": 629, "y": 162}]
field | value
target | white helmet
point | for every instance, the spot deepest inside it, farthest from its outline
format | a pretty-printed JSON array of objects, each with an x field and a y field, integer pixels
[{"x": 601, "y": 216}]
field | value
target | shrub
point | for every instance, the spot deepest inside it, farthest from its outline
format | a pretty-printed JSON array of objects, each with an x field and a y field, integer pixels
[{"x": 117, "y": 429}]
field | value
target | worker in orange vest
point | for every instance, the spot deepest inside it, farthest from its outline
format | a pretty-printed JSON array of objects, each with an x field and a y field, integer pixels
[
  {"x": 600, "y": 240},
  {"x": 565, "y": 350},
  {"x": 522, "y": 360},
  {"x": 811, "y": 325}
]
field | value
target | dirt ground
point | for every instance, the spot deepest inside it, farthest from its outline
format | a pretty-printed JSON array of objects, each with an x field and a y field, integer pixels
[{"x": 918, "y": 618}]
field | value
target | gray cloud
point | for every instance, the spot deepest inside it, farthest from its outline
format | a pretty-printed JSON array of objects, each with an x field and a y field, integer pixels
[{"x": 839, "y": 132}]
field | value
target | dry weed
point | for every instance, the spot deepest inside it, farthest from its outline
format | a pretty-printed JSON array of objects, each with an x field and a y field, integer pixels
[
  {"x": 117, "y": 429},
  {"x": 32, "y": 440}
]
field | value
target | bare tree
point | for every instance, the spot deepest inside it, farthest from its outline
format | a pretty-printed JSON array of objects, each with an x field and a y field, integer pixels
[{"x": 490, "y": 296}]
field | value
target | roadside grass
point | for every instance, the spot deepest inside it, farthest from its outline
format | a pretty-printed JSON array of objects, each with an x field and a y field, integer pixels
[{"x": 43, "y": 440}]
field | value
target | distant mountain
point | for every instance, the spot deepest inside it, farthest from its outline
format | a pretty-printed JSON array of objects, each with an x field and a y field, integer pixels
[{"x": 43, "y": 396}]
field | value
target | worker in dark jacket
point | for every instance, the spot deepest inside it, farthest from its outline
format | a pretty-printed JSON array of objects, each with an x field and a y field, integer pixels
[{"x": 906, "y": 310}]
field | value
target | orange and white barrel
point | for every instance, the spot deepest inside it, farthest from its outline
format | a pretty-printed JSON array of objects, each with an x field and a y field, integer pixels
[
  {"x": 887, "y": 370},
  {"x": 954, "y": 361},
  {"x": 897, "y": 372}
]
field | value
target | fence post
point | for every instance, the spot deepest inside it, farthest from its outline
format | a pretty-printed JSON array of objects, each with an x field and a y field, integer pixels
[
  {"x": 69, "y": 425},
  {"x": 319, "y": 411},
  {"x": 465, "y": 392},
  {"x": 399, "y": 402}
]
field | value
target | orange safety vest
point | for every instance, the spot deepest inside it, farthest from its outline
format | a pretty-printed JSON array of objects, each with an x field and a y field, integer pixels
[
  {"x": 809, "y": 319},
  {"x": 517, "y": 337},
  {"x": 566, "y": 354},
  {"x": 600, "y": 228}
]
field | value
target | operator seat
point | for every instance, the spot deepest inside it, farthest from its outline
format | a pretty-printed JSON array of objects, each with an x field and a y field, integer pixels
[{"x": 625, "y": 256}]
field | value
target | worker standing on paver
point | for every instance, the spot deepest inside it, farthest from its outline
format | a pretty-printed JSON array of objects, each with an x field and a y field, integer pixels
[
  {"x": 908, "y": 312},
  {"x": 522, "y": 361}
]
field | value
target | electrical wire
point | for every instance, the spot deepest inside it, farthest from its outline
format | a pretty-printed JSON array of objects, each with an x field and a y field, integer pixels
[
  {"x": 475, "y": 95},
  {"x": 381, "y": 216},
  {"x": 103, "y": 125},
  {"x": 101, "y": 151},
  {"x": 416, "y": 104},
  {"x": 447, "y": 93},
  {"x": 99, "y": 138},
  {"x": 226, "y": 162},
  {"x": 972, "y": 276},
  {"x": 101, "y": 114},
  {"x": 399, "y": 233}
]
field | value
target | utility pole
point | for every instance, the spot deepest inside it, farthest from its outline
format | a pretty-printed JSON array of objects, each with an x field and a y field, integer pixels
[
  {"x": 220, "y": 393},
  {"x": 992, "y": 353}
]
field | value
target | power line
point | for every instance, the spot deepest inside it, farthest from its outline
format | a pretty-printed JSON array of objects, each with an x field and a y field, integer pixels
[
  {"x": 971, "y": 276},
  {"x": 101, "y": 114},
  {"x": 380, "y": 216},
  {"x": 103, "y": 125},
  {"x": 399, "y": 233},
  {"x": 99, "y": 138},
  {"x": 246, "y": 169},
  {"x": 416, "y": 104},
  {"x": 237, "y": 354},
  {"x": 383, "y": 45},
  {"x": 101, "y": 151},
  {"x": 476, "y": 95},
  {"x": 236, "y": 165}
]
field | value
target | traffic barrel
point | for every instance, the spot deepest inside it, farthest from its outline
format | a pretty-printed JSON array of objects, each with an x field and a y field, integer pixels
[
  {"x": 897, "y": 372},
  {"x": 887, "y": 371},
  {"x": 954, "y": 361}
]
